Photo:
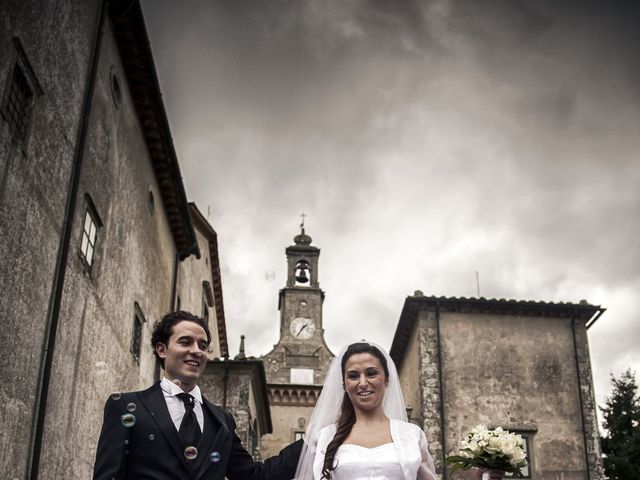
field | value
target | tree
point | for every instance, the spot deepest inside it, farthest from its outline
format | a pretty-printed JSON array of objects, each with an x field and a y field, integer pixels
[{"x": 621, "y": 444}]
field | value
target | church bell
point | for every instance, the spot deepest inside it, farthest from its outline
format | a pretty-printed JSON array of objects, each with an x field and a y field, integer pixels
[{"x": 302, "y": 276}]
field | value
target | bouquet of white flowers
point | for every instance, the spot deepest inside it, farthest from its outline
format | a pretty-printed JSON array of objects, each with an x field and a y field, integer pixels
[{"x": 495, "y": 449}]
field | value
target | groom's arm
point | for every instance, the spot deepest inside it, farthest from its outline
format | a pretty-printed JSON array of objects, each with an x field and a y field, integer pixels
[
  {"x": 110, "y": 454},
  {"x": 243, "y": 467}
]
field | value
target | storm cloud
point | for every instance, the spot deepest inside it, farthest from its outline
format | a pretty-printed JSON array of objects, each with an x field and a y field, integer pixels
[{"x": 425, "y": 140}]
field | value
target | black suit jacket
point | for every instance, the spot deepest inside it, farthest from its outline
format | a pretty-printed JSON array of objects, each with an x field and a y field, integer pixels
[{"x": 151, "y": 449}]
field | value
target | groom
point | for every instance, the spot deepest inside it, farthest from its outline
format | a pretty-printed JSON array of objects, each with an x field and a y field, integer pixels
[{"x": 170, "y": 431}]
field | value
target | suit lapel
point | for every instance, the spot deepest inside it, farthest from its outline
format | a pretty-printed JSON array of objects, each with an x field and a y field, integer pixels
[
  {"x": 154, "y": 402},
  {"x": 213, "y": 438}
]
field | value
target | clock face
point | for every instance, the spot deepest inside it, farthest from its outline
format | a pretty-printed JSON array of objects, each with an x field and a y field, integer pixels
[{"x": 302, "y": 328}]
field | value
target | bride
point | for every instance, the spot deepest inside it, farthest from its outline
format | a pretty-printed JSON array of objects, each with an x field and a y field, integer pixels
[{"x": 359, "y": 428}]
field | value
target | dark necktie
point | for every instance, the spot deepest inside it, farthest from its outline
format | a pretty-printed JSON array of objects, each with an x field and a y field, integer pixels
[{"x": 189, "y": 429}]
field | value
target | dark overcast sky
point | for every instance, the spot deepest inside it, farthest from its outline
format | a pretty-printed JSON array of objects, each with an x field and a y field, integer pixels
[{"x": 425, "y": 140}]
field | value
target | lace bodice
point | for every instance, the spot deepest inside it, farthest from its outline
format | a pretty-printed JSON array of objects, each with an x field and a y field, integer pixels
[{"x": 360, "y": 463}]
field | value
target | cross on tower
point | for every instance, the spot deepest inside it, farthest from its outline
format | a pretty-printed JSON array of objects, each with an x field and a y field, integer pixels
[{"x": 302, "y": 215}]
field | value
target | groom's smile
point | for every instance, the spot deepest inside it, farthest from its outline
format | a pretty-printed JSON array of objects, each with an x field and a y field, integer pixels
[{"x": 185, "y": 354}]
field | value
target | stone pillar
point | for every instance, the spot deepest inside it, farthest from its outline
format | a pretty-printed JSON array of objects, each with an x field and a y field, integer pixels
[
  {"x": 430, "y": 387},
  {"x": 591, "y": 432}
]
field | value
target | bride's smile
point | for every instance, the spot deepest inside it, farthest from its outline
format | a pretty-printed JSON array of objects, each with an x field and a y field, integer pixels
[{"x": 365, "y": 381}]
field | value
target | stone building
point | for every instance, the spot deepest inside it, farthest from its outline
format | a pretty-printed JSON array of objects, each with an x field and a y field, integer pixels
[
  {"x": 520, "y": 365},
  {"x": 297, "y": 365},
  {"x": 96, "y": 235},
  {"x": 240, "y": 387}
]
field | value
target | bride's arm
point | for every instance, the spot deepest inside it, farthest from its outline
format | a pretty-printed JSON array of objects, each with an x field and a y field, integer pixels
[{"x": 427, "y": 470}]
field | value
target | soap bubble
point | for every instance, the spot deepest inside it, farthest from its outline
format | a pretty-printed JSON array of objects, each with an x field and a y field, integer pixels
[
  {"x": 116, "y": 396},
  {"x": 128, "y": 420},
  {"x": 270, "y": 275},
  {"x": 190, "y": 453},
  {"x": 215, "y": 457},
  {"x": 131, "y": 407}
]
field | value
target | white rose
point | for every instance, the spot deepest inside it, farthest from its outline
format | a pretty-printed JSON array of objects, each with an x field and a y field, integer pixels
[
  {"x": 493, "y": 445},
  {"x": 507, "y": 446},
  {"x": 519, "y": 459},
  {"x": 475, "y": 448}
]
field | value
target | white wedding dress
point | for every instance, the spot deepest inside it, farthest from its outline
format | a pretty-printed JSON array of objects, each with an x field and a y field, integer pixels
[
  {"x": 360, "y": 463},
  {"x": 407, "y": 458}
]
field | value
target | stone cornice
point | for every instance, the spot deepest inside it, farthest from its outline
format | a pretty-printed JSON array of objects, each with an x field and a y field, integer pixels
[{"x": 293, "y": 395}]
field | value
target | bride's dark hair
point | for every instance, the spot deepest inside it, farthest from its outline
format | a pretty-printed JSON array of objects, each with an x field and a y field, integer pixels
[{"x": 347, "y": 414}]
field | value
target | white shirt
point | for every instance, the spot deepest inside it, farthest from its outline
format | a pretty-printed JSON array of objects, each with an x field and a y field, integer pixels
[{"x": 176, "y": 406}]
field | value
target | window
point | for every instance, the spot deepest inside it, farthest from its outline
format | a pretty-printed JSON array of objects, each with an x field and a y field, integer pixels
[
  {"x": 297, "y": 435},
  {"x": 207, "y": 300},
  {"x": 116, "y": 91},
  {"x": 89, "y": 237},
  {"x": 17, "y": 105},
  {"x": 136, "y": 334},
  {"x": 19, "y": 95},
  {"x": 302, "y": 376},
  {"x": 205, "y": 313},
  {"x": 151, "y": 202}
]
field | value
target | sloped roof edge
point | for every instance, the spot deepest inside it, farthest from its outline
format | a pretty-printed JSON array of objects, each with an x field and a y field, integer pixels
[
  {"x": 131, "y": 37},
  {"x": 414, "y": 303},
  {"x": 205, "y": 227}
]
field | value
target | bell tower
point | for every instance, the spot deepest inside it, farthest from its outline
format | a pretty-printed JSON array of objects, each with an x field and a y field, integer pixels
[
  {"x": 296, "y": 367},
  {"x": 301, "y": 356}
]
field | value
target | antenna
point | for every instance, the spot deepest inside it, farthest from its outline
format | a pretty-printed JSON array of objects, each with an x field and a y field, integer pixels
[
  {"x": 478, "y": 282},
  {"x": 208, "y": 212}
]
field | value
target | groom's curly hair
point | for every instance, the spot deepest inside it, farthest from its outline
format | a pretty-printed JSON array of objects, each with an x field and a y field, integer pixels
[{"x": 347, "y": 413}]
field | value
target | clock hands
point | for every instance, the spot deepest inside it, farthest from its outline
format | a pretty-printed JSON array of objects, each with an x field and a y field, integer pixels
[{"x": 300, "y": 331}]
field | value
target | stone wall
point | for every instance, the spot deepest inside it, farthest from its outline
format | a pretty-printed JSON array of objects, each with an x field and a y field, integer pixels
[
  {"x": 237, "y": 395},
  {"x": 294, "y": 352},
  {"x": 431, "y": 387},
  {"x": 517, "y": 372},
  {"x": 286, "y": 421},
  {"x": 57, "y": 39},
  {"x": 133, "y": 264},
  {"x": 520, "y": 365},
  {"x": 589, "y": 406}
]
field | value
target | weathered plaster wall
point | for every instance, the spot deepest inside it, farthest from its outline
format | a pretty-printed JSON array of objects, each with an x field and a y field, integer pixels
[
  {"x": 239, "y": 400},
  {"x": 285, "y": 421},
  {"x": 134, "y": 263},
  {"x": 57, "y": 39},
  {"x": 516, "y": 372}
]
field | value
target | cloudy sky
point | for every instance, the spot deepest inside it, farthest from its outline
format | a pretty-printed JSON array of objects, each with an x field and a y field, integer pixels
[{"x": 425, "y": 140}]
